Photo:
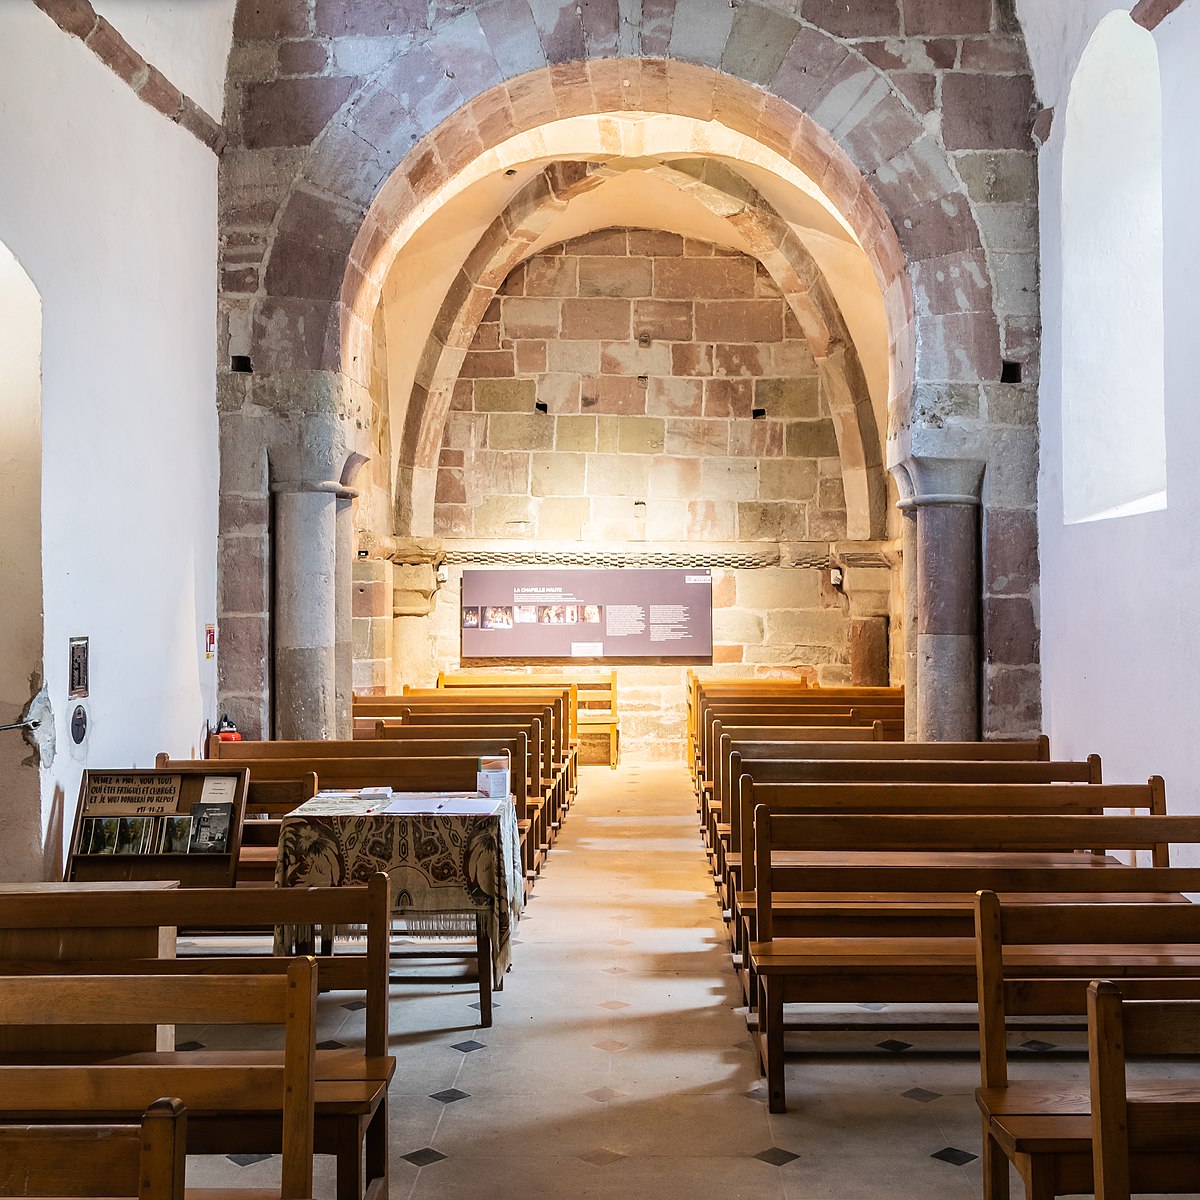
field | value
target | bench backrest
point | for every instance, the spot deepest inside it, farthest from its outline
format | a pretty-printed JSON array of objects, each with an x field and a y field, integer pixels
[
  {"x": 448, "y": 773},
  {"x": 1037, "y": 750},
  {"x": 909, "y": 838},
  {"x": 539, "y": 757},
  {"x": 561, "y": 700},
  {"x": 553, "y": 728},
  {"x": 932, "y": 798},
  {"x": 218, "y": 908},
  {"x": 735, "y": 765},
  {"x": 1119, "y": 1026},
  {"x": 290, "y": 1001},
  {"x": 1013, "y": 991},
  {"x": 516, "y": 744},
  {"x": 146, "y": 1160}
]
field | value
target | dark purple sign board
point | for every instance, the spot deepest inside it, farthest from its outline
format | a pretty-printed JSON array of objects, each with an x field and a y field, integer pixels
[{"x": 622, "y": 612}]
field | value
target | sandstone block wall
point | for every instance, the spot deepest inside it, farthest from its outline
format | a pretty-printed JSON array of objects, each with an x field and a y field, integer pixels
[{"x": 635, "y": 385}]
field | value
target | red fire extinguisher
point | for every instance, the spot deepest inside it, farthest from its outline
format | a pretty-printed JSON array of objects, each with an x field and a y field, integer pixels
[{"x": 227, "y": 731}]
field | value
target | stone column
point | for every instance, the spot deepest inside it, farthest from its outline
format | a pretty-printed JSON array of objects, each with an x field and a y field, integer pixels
[
  {"x": 908, "y": 582},
  {"x": 344, "y": 616},
  {"x": 305, "y": 609},
  {"x": 946, "y": 500},
  {"x": 869, "y": 651}
]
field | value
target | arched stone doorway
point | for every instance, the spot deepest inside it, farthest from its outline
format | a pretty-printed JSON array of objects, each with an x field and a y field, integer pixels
[
  {"x": 21, "y": 634},
  {"x": 457, "y": 123}
]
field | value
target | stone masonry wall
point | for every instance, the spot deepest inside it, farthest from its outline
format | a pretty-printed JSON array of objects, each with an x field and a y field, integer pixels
[{"x": 650, "y": 354}]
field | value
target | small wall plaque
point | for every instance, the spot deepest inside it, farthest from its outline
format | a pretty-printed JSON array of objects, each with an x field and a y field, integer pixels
[{"x": 79, "y": 667}]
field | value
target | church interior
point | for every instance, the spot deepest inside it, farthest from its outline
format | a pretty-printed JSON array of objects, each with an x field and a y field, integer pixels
[{"x": 662, "y": 495}]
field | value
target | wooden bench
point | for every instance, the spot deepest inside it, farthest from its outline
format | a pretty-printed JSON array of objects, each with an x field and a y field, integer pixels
[
  {"x": 351, "y": 1084},
  {"x": 223, "y": 1100},
  {"x": 789, "y": 745},
  {"x": 796, "y": 734},
  {"x": 443, "y": 708},
  {"x": 1142, "y": 1136},
  {"x": 595, "y": 698},
  {"x": 937, "y": 795},
  {"x": 1045, "y": 1128},
  {"x": 702, "y": 693},
  {"x": 800, "y": 913},
  {"x": 923, "y": 854},
  {"x": 422, "y": 703},
  {"x": 740, "y": 767},
  {"x": 459, "y": 742},
  {"x": 144, "y": 1161}
]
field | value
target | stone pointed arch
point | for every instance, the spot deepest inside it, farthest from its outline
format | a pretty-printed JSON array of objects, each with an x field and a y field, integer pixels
[{"x": 752, "y": 221}]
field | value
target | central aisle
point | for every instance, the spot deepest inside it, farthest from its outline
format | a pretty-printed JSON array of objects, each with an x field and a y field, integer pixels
[{"x": 619, "y": 1064}]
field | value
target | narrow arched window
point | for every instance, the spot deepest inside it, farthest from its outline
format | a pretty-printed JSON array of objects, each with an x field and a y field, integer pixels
[{"x": 1113, "y": 435}]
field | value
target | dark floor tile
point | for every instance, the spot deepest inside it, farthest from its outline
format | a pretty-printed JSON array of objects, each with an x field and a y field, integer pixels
[
  {"x": 954, "y": 1156},
  {"x": 423, "y": 1157},
  {"x": 246, "y": 1160},
  {"x": 776, "y": 1156}
]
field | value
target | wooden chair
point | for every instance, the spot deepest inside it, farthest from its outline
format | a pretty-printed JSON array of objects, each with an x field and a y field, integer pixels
[{"x": 146, "y": 1160}]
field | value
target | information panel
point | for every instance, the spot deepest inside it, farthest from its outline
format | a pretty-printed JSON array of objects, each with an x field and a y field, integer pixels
[{"x": 588, "y": 613}]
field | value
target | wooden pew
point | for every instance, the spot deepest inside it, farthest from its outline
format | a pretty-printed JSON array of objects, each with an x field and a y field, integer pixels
[
  {"x": 447, "y": 708},
  {"x": 555, "y": 784},
  {"x": 1147, "y": 1140},
  {"x": 796, "y": 734},
  {"x": 595, "y": 698},
  {"x": 924, "y": 854},
  {"x": 740, "y": 766},
  {"x": 351, "y": 1084},
  {"x": 145, "y": 1161},
  {"x": 801, "y": 913},
  {"x": 702, "y": 693},
  {"x": 460, "y": 741},
  {"x": 790, "y": 745},
  {"x": 1037, "y": 961},
  {"x": 229, "y": 1100},
  {"x": 563, "y": 724}
]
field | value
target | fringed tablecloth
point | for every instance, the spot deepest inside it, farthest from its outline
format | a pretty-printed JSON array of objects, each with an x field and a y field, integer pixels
[{"x": 450, "y": 860}]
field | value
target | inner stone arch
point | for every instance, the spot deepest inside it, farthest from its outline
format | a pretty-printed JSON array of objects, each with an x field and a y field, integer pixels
[{"x": 745, "y": 223}]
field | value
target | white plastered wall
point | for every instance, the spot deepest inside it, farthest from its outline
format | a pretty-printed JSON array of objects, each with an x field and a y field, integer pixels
[
  {"x": 111, "y": 210},
  {"x": 1120, "y": 643}
]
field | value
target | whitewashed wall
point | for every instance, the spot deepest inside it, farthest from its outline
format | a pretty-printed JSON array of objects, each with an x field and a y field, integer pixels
[
  {"x": 1120, "y": 643},
  {"x": 111, "y": 210}
]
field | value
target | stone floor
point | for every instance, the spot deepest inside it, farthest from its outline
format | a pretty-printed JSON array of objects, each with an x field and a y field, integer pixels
[{"x": 619, "y": 1064}]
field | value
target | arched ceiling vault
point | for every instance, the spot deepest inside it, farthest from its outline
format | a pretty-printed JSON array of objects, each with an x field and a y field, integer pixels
[
  {"x": 415, "y": 238},
  {"x": 695, "y": 197}
]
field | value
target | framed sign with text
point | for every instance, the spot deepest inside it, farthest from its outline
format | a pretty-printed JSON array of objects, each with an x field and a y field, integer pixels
[{"x": 592, "y": 613}]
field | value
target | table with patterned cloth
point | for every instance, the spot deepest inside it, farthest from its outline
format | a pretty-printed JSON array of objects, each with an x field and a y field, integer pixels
[{"x": 450, "y": 858}]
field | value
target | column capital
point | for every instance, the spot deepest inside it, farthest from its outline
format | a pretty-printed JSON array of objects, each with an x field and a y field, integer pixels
[{"x": 939, "y": 481}]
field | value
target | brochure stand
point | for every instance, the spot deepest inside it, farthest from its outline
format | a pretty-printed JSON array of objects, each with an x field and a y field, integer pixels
[{"x": 184, "y": 825}]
